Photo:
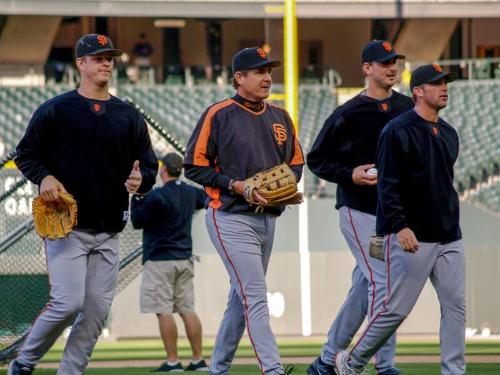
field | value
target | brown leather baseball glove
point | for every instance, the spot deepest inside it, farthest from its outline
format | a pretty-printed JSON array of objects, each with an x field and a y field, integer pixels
[
  {"x": 54, "y": 219},
  {"x": 277, "y": 185}
]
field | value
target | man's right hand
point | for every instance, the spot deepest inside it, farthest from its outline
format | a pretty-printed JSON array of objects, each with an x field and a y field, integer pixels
[
  {"x": 50, "y": 188},
  {"x": 360, "y": 177},
  {"x": 408, "y": 240}
]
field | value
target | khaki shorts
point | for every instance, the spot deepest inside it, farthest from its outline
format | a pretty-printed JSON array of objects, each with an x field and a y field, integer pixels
[{"x": 167, "y": 287}]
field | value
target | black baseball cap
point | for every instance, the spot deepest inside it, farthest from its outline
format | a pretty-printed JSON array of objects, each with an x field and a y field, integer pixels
[
  {"x": 430, "y": 73},
  {"x": 379, "y": 51},
  {"x": 173, "y": 163},
  {"x": 95, "y": 44},
  {"x": 252, "y": 58}
]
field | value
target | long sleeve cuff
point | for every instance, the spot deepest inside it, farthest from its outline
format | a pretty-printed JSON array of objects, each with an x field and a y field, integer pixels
[
  {"x": 399, "y": 225},
  {"x": 222, "y": 182},
  {"x": 39, "y": 178},
  {"x": 297, "y": 169},
  {"x": 345, "y": 176}
]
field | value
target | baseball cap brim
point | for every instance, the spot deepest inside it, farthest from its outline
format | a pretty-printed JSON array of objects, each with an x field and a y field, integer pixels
[
  {"x": 269, "y": 63},
  {"x": 390, "y": 57},
  {"x": 448, "y": 77},
  {"x": 107, "y": 51}
]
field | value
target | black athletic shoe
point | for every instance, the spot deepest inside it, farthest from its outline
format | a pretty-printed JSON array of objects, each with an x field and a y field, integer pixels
[
  {"x": 200, "y": 366},
  {"x": 318, "y": 367},
  {"x": 289, "y": 369},
  {"x": 165, "y": 367},
  {"x": 16, "y": 368}
]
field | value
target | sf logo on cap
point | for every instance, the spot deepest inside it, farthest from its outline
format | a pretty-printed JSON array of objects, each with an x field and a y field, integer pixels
[
  {"x": 438, "y": 68},
  {"x": 102, "y": 40},
  {"x": 387, "y": 46},
  {"x": 261, "y": 53}
]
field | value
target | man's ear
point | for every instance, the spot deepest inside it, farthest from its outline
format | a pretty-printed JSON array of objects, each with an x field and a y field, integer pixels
[
  {"x": 366, "y": 68},
  {"x": 418, "y": 92},
  {"x": 79, "y": 63},
  {"x": 238, "y": 77}
]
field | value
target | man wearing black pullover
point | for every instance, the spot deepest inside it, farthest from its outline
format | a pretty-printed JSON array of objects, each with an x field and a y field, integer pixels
[
  {"x": 165, "y": 215},
  {"x": 418, "y": 213},
  {"x": 94, "y": 146},
  {"x": 344, "y": 153}
]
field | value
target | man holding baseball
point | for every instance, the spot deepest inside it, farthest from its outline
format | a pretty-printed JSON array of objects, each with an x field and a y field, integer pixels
[
  {"x": 419, "y": 215},
  {"x": 344, "y": 153}
]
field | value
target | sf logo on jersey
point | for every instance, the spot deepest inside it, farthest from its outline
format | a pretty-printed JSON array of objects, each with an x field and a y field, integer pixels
[{"x": 279, "y": 133}]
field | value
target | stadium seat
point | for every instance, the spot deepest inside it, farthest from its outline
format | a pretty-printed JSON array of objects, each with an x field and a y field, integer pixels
[{"x": 472, "y": 110}]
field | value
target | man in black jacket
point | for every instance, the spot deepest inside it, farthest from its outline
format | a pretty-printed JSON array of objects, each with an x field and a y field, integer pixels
[
  {"x": 96, "y": 147},
  {"x": 167, "y": 287},
  {"x": 418, "y": 212},
  {"x": 344, "y": 153}
]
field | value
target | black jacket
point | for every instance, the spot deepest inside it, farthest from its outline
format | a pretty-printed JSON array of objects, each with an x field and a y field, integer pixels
[
  {"x": 89, "y": 146},
  {"x": 415, "y": 161},
  {"x": 165, "y": 215},
  {"x": 349, "y": 139}
]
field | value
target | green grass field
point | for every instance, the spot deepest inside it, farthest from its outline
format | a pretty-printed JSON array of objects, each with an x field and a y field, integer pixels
[
  {"x": 408, "y": 368},
  {"x": 153, "y": 349},
  {"x": 289, "y": 348}
]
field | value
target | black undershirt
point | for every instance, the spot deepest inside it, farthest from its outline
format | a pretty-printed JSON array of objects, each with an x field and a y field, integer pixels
[{"x": 253, "y": 106}]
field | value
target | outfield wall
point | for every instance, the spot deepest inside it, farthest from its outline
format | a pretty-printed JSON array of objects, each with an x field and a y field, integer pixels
[{"x": 331, "y": 266}]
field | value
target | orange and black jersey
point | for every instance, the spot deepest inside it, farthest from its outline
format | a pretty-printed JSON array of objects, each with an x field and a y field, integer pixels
[{"x": 234, "y": 141}]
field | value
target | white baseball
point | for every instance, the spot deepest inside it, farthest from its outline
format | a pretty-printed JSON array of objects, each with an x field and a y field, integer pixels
[{"x": 372, "y": 171}]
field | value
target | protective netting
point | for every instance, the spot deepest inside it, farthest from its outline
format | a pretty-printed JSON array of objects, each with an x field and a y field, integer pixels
[{"x": 23, "y": 273}]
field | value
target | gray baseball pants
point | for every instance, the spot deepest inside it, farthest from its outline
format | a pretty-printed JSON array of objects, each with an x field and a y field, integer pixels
[
  {"x": 407, "y": 273},
  {"x": 83, "y": 271},
  {"x": 244, "y": 243},
  {"x": 367, "y": 292}
]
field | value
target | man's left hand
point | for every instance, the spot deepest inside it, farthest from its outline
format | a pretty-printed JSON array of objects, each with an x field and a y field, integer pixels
[{"x": 134, "y": 180}]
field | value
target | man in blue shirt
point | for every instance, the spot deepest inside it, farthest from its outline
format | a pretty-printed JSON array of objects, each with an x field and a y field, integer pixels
[{"x": 165, "y": 215}]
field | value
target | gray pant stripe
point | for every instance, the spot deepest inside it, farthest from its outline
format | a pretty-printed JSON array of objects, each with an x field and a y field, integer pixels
[
  {"x": 241, "y": 289},
  {"x": 83, "y": 270},
  {"x": 444, "y": 265},
  {"x": 367, "y": 293},
  {"x": 384, "y": 307},
  {"x": 244, "y": 243},
  {"x": 374, "y": 293}
]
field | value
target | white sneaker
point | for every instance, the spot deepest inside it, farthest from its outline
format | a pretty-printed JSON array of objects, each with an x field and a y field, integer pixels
[{"x": 342, "y": 366}]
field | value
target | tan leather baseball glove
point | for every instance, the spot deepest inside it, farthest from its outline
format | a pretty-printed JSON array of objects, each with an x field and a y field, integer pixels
[
  {"x": 54, "y": 220},
  {"x": 277, "y": 185}
]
